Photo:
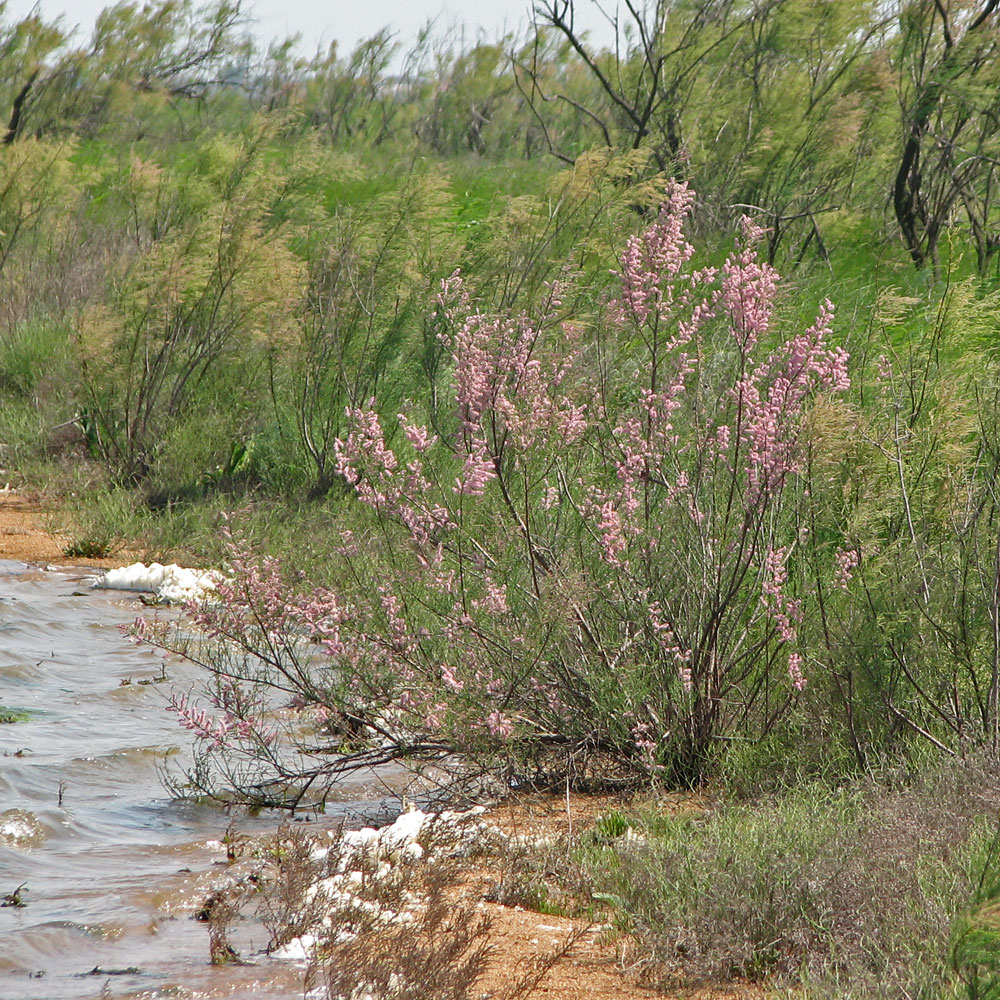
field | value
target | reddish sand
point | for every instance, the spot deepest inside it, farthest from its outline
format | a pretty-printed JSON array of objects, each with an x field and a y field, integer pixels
[{"x": 24, "y": 535}]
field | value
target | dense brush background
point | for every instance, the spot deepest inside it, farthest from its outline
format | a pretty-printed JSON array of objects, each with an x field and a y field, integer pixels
[{"x": 211, "y": 252}]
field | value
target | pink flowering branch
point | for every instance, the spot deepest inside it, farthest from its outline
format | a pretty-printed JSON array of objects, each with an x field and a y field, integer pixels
[{"x": 594, "y": 554}]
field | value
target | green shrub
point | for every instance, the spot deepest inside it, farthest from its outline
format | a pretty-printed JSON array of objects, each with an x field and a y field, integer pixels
[{"x": 975, "y": 945}]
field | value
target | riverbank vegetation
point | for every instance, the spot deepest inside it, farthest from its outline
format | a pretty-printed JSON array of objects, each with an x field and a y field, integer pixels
[{"x": 565, "y": 417}]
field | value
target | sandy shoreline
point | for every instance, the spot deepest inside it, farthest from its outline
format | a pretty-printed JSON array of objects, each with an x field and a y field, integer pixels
[{"x": 25, "y": 534}]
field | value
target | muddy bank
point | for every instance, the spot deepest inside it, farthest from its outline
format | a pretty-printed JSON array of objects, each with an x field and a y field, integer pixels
[{"x": 26, "y": 534}]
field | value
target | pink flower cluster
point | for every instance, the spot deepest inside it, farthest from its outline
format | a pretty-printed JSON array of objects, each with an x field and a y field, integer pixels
[
  {"x": 654, "y": 259},
  {"x": 785, "y": 611},
  {"x": 379, "y": 479},
  {"x": 508, "y": 385},
  {"x": 748, "y": 288},
  {"x": 847, "y": 561},
  {"x": 771, "y": 398},
  {"x": 223, "y": 732}
]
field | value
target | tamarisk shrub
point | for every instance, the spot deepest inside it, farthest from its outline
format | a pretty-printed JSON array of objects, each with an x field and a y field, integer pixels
[{"x": 580, "y": 565}]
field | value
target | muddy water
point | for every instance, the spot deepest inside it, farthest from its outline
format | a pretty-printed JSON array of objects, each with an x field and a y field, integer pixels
[{"x": 112, "y": 868}]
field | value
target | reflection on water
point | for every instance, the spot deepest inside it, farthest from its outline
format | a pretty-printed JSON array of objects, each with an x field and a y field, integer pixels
[{"x": 108, "y": 867}]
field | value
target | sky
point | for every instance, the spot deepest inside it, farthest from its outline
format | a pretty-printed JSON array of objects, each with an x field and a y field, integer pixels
[{"x": 320, "y": 22}]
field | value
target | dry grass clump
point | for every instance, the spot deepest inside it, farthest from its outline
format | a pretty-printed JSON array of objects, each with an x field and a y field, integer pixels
[
  {"x": 440, "y": 951},
  {"x": 817, "y": 888}
]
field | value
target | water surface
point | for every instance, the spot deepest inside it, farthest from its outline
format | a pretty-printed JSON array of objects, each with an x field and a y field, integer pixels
[{"x": 113, "y": 868}]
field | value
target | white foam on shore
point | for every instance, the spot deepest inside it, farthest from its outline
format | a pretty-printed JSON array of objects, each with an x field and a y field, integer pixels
[
  {"x": 171, "y": 583},
  {"x": 372, "y": 855},
  {"x": 301, "y": 949}
]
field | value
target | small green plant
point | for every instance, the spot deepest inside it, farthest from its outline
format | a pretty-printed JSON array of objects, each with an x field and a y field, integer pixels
[
  {"x": 521, "y": 887},
  {"x": 101, "y": 521},
  {"x": 612, "y": 825},
  {"x": 90, "y": 548},
  {"x": 9, "y": 715}
]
